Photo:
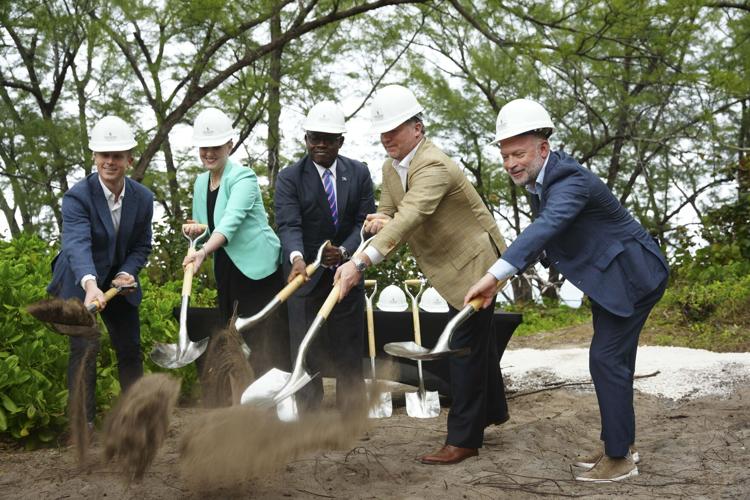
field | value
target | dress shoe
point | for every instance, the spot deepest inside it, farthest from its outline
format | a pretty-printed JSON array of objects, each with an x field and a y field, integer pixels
[
  {"x": 609, "y": 469},
  {"x": 590, "y": 460},
  {"x": 449, "y": 455}
]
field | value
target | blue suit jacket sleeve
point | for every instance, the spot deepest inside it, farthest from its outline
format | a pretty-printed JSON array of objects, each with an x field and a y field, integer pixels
[
  {"x": 76, "y": 235},
  {"x": 566, "y": 197}
]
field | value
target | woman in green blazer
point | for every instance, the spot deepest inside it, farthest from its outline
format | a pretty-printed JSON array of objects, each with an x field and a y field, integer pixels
[{"x": 247, "y": 252}]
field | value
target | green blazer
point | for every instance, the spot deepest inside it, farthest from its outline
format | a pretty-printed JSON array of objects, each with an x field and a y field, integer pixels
[{"x": 240, "y": 216}]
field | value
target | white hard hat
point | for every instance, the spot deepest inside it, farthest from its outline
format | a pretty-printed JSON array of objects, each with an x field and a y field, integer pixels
[
  {"x": 431, "y": 301},
  {"x": 212, "y": 127},
  {"x": 111, "y": 134},
  {"x": 325, "y": 117},
  {"x": 520, "y": 116},
  {"x": 392, "y": 298},
  {"x": 392, "y": 106}
]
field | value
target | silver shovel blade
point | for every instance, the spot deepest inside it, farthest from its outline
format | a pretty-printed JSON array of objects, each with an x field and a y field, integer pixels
[
  {"x": 291, "y": 387},
  {"x": 412, "y": 350},
  {"x": 168, "y": 355},
  {"x": 420, "y": 405},
  {"x": 383, "y": 407},
  {"x": 262, "y": 391}
]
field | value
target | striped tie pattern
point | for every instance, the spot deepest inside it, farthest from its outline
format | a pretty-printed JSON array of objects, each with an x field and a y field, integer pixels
[{"x": 331, "y": 195}]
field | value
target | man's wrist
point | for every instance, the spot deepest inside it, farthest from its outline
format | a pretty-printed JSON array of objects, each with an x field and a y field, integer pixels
[{"x": 359, "y": 263}]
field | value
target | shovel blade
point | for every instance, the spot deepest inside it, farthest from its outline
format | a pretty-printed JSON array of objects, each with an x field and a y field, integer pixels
[
  {"x": 412, "y": 350},
  {"x": 169, "y": 355},
  {"x": 261, "y": 392},
  {"x": 292, "y": 386},
  {"x": 382, "y": 408},
  {"x": 420, "y": 405}
]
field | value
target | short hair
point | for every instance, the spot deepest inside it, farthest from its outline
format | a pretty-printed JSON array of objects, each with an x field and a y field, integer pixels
[{"x": 418, "y": 118}]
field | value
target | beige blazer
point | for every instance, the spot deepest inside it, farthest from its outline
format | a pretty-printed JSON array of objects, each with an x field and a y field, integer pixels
[{"x": 447, "y": 226}]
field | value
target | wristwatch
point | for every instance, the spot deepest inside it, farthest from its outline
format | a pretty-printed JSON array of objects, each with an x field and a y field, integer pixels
[
  {"x": 359, "y": 264},
  {"x": 344, "y": 253}
]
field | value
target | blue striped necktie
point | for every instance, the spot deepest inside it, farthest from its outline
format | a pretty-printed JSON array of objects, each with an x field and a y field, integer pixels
[{"x": 331, "y": 195}]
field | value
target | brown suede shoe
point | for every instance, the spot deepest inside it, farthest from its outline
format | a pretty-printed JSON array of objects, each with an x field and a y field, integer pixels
[
  {"x": 449, "y": 455},
  {"x": 609, "y": 469}
]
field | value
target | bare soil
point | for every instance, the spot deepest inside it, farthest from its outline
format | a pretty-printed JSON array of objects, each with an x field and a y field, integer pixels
[{"x": 697, "y": 448}]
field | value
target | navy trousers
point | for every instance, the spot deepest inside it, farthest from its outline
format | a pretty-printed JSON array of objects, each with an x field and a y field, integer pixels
[
  {"x": 612, "y": 366},
  {"x": 124, "y": 327},
  {"x": 336, "y": 351},
  {"x": 477, "y": 387}
]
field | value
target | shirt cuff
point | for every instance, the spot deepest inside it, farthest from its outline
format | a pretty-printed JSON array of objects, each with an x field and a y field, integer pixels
[
  {"x": 502, "y": 269},
  {"x": 86, "y": 278},
  {"x": 375, "y": 256},
  {"x": 294, "y": 254}
]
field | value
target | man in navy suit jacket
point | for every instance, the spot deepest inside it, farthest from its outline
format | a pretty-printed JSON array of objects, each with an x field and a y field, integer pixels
[
  {"x": 106, "y": 239},
  {"x": 601, "y": 249},
  {"x": 325, "y": 196}
]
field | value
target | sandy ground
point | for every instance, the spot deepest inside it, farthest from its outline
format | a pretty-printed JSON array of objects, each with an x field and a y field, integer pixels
[{"x": 690, "y": 448}]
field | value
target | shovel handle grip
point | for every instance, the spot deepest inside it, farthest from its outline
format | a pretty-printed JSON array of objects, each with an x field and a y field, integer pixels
[
  {"x": 295, "y": 284},
  {"x": 370, "y": 329},
  {"x": 187, "y": 281},
  {"x": 202, "y": 227},
  {"x": 370, "y": 283},
  {"x": 413, "y": 282},
  {"x": 476, "y": 302},
  {"x": 108, "y": 295}
]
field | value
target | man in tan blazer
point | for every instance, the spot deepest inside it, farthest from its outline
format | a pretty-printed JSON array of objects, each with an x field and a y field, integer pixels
[{"x": 427, "y": 202}]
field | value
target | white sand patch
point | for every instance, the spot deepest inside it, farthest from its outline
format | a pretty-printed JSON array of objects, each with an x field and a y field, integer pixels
[{"x": 683, "y": 372}]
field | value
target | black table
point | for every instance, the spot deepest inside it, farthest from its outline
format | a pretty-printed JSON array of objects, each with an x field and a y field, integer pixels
[{"x": 389, "y": 327}]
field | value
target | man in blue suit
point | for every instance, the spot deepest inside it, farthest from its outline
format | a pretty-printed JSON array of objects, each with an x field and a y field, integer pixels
[
  {"x": 106, "y": 239},
  {"x": 598, "y": 246},
  {"x": 325, "y": 196}
]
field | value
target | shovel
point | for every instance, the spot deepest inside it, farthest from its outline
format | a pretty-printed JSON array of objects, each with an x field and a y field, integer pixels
[
  {"x": 420, "y": 404},
  {"x": 276, "y": 386},
  {"x": 286, "y": 292},
  {"x": 185, "y": 351},
  {"x": 384, "y": 407},
  {"x": 411, "y": 350}
]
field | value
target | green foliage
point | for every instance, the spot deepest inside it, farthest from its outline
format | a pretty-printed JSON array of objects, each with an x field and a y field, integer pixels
[
  {"x": 33, "y": 359},
  {"x": 548, "y": 316}
]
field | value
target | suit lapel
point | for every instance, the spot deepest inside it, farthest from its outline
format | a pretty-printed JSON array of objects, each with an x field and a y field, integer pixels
[
  {"x": 127, "y": 217},
  {"x": 342, "y": 186},
  {"x": 312, "y": 181},
  {"x": 102, "y": 210}
]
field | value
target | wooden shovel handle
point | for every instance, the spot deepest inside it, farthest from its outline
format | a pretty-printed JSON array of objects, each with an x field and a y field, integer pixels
[
  {"x": 370, "y": 283},
  {"x": 187, "y": 280},
  {"x": 331, "y": 300},
  {"x": 415, "y": 318},
  {"x": 370, "y": 329},
  {"x": 108, "y": 295},
  {"x": 413, "y": 282},
  {"x": 294, "y": 285}
]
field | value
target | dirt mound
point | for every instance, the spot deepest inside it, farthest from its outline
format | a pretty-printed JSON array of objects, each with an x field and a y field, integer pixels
[
  {"x": 62, "y": 311},
  {"x": 137, "y": 426},
  {"x": 226, "y": 371}
]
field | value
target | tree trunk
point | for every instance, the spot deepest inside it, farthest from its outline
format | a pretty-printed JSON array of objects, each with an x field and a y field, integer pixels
[{"x": 274, "y": 103}]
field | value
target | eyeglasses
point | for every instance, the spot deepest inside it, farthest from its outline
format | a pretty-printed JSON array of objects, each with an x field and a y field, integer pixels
[{"x": 317, "y": 138}]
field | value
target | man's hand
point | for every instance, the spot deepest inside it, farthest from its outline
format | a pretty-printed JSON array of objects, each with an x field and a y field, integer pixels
[
  {"x": 331, "y": 255},
  {"x": 298, "y": 268},
  {"x": 126, "y": 281},
  {"x": 375, "y": 222},
  {"x": 486, "y": 288},
  {"x": 347, "y": 276},
  {"x": 94, "y": 294},
  {"x": 196, "y": 258}
]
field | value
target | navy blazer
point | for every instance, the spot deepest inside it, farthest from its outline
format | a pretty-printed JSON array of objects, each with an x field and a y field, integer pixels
[
  {"x": 590, "y": 237},
  {"x": 89, "y": 245},
  {"x": 304, "y": 218}
]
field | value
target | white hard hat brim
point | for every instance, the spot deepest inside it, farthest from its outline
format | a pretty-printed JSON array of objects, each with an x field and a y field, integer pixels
[
  {"x": 211, "y": 142},
  {"x": 393, "y": 308},
  {"x": 104, "y": 147},
  {"x": 383, "y": 126},
  {"x": 322, "y": 128}
]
